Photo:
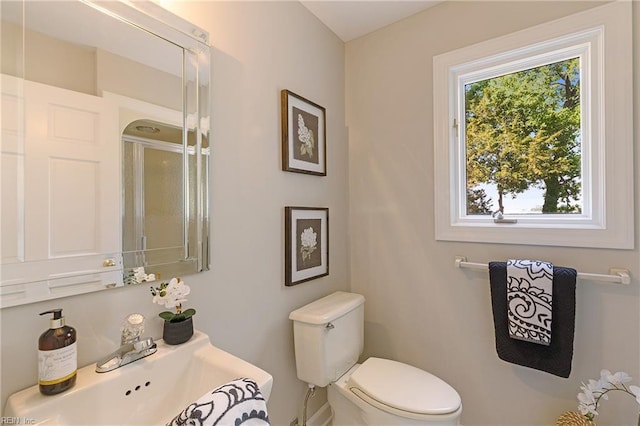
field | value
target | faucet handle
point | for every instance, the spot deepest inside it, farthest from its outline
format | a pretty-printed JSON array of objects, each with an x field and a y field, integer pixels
[
  {"x": 143, "y": 345},
  {"x": 132, "y": 328}
]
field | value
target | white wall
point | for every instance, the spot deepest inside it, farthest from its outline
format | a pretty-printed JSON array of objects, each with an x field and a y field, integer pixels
[
  {"x": 242, "y": 303},
  {"x": 419, "y": 308}
]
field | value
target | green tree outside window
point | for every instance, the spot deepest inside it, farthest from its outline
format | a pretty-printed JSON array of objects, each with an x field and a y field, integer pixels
[{"x": 523, "y": 131}]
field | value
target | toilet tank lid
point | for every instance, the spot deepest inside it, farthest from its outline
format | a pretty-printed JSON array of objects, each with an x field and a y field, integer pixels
[{"x": 328, "y": 308}]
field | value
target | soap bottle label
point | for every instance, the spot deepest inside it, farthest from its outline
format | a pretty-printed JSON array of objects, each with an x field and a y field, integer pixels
[{"x": 57, "y": 365}]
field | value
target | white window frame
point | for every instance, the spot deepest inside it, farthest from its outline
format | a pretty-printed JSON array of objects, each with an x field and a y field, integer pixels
[{"x": 602, "y": 38}]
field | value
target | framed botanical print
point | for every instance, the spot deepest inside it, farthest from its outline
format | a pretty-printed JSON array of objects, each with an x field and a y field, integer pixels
[
  {"x": 303, "y": 135},
  {"x": 306, "y": 236}
]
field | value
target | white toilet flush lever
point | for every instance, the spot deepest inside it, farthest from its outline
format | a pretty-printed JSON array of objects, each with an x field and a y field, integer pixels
[{"x": 329, "y": 326}]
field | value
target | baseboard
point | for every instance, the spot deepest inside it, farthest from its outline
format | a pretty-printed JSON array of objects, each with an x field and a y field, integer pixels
[{"x": 322, "y": 417}]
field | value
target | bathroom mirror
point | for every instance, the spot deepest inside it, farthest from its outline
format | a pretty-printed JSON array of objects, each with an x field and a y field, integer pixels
[{"x": 104, "y": 147}]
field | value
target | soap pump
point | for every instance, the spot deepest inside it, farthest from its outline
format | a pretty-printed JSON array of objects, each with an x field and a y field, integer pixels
[{"x": 57, "y": 356}]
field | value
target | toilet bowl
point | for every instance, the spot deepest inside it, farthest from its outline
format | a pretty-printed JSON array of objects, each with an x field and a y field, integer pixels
[
  {"x": 329, "y": 337},
  {"x": 373, "y": 393}
]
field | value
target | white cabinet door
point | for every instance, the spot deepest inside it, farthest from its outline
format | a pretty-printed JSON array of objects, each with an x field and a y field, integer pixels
[{"x": 61, "y": 192}]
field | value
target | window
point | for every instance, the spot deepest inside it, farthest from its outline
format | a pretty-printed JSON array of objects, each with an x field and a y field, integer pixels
[
  {"x": 522, "y": 141},
  {"x": 533, "y": 135}
]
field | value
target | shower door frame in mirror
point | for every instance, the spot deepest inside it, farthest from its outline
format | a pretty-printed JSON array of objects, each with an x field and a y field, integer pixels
[{"x": 26, "y": 280}]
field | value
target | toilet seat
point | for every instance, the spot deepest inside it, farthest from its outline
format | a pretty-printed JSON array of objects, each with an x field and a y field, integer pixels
[{"x": 402, "y": 389}]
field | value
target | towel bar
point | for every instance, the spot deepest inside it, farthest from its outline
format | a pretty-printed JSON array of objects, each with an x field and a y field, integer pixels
[{"x": 615, "y": 276}]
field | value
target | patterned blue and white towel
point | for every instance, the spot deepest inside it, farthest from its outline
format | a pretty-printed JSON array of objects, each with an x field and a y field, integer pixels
[
  {"x": 529, "y": 300},
  {"x": 236, "y": 403}
]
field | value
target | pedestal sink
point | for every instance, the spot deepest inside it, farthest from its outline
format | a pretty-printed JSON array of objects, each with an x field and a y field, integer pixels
[{"x": 150, "y": 391}]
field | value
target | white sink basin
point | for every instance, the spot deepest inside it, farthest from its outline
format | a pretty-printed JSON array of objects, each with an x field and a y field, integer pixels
[{"x": 150, "y": 391}]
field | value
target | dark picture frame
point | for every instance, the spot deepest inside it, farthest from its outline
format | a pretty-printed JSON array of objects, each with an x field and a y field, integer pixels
[
  {"x": 304, "y": 141},
  {"x": 306, "y": 236}
]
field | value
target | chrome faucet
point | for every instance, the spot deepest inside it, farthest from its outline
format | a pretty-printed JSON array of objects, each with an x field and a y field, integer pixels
[{"x": 132, "y": 346}]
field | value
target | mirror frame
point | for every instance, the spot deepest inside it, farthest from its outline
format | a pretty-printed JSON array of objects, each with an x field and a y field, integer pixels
[{"x": 153, "y": 19}]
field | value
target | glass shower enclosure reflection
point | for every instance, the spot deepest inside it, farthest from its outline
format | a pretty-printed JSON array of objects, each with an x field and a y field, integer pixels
[{"x": 159, "y": 207}]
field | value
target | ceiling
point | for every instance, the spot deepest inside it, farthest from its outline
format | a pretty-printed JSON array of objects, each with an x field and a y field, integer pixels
[{"x": 351, "y": 19}]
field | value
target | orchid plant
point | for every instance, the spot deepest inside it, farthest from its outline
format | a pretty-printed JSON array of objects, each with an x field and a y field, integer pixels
[
  {"x": 171, "y": 295},
  {"x": 597, "y": 390}
]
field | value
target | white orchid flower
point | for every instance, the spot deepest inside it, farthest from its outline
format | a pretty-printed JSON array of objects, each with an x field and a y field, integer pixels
[
  {"x": 597, "y": 390},
  {"x": 618, "y": 378},
  {"x": 586, "y": 397},
  {"x": 176, "y": 292},
  {"x": 172, "y": 294},
  {"x": 594, "y": 385}
]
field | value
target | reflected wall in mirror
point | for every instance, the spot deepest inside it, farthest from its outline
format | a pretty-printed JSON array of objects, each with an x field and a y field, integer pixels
[{"x": 90, "y": 190}]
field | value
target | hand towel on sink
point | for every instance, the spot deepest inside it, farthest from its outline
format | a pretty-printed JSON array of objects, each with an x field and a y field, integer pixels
[
  {"x": 529, "y": 300},
  {"x": 238, "y": 402},
  {"x": 555, "y": 358}
]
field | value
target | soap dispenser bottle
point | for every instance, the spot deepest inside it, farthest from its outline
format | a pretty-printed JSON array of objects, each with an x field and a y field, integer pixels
[{"x": 57, "y": 356}]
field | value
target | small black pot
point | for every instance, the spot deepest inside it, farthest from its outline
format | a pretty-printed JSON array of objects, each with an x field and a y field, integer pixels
[{"x": 175, "y": 333}]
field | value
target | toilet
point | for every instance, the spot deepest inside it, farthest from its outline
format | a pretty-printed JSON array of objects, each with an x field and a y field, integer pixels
[{"x": 329, "y": 338}]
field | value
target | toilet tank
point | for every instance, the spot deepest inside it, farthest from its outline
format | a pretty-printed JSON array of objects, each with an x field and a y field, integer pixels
[{"x": 328, "y": 336}]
